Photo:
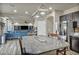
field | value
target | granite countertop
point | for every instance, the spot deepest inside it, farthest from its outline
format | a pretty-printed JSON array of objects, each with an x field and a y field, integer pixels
[
  {"x": 40, "y": 44},
  {"x": 75, "y": 34},
  {"x": 11, "y": 47}
]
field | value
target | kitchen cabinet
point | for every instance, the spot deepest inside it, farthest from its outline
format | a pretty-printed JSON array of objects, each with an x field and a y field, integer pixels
[
  {"x": 70, "y": 18},
  {"x": 74, "y": 43},
  {"x": 63, "y": 26},
  {"x": 76, "y": 16}
]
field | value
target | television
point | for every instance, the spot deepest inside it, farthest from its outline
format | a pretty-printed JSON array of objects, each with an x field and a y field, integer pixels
[{"x": 24, "y": 27}]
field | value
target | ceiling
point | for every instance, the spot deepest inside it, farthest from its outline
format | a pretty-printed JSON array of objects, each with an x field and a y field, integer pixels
[{"x": 7, "y": 9}]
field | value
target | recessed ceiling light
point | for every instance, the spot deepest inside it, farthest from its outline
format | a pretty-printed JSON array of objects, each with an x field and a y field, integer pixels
[
  {"x": 16, "y": 23},
  {"x": 37, "y": 16},
  {"x": 15, "y": 11},
  {"x": 42, "y": 13},
  {"x": 50, "y": 8},
  {"x": 26, "y": 12},
  {"x": 30, "y": 24}
]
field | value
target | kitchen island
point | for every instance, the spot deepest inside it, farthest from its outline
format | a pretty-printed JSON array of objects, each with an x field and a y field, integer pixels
[{"x": 40, "y": 44}]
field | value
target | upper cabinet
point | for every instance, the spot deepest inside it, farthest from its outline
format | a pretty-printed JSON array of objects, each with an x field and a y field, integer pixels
[
  {"x": 66, "y": 17},
  {"x": 76, "y": 16},
  {"x": 69, "y": 16},
  {"x": 62, "y": 18}
]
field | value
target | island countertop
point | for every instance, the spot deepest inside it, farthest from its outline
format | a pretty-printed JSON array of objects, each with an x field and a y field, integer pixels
[{"x": 40, "y": 44}]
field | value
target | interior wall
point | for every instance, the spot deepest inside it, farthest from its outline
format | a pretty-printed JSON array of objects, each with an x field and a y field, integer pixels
[
  {"x": 8, "y": 25},
  {"x": 35, "y": 22},
  {"x": 53, "y": 21},
  {"x": 50, "y": 24},
  {"x": 57, "y": 14}
]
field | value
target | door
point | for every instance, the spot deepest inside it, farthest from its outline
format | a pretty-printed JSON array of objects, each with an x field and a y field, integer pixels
[{"x": 41, "y": 27}]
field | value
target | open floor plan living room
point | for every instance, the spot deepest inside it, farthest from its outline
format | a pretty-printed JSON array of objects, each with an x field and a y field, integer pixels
[{"x": 39, "y": 28}]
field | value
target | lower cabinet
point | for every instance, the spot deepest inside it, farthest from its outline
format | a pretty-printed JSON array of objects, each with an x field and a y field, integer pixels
[{"x": 74, "y": 43}]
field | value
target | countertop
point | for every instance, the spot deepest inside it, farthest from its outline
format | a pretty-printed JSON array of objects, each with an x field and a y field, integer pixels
[
  {"x": 74, "y": 34},
  {"x": 40, "y": 44}
]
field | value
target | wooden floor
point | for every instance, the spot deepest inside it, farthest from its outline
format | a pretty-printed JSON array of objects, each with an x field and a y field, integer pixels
[
  {"x": 54, "y": 53},
  {"x": 12, "y": 47}
]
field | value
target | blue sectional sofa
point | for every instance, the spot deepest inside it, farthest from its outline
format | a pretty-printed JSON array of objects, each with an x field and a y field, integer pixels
[{"x": 16, "y": 34}]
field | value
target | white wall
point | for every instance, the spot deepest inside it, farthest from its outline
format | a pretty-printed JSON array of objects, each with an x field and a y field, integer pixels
[
  {"x": 35, "y": 23},
  {"x": 49, "y": 24},
  {"x": 8, "y": 25},
  {"x": 53, "y": 25},
  {"x": 57, "y": 14}
]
